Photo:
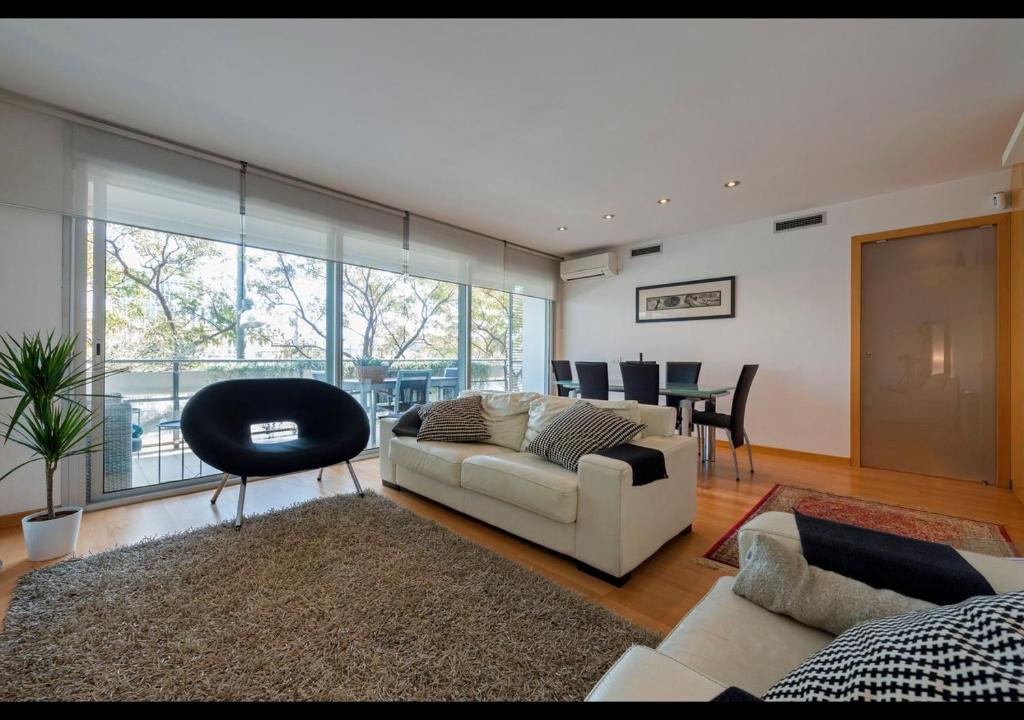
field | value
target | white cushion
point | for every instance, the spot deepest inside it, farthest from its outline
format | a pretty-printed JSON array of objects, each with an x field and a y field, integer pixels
[
  {"x": 645, "y": 675},
  {"x": 524, "y": 480},
  {"x": 736, "y": 642},
  {"x": 505, "y": 415},
  {"x": 545, "y": 408},
  {"x": 438, "y": 460}
]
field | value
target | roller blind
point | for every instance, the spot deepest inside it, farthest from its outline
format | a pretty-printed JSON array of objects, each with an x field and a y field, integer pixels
[
  {"x": 289, "y": 218},
  {"x": 73, "y": 168},
  {"x": 445, "y": 252},
  {"x": 528, "y": 273},
  {"x": 119, "y": 179}
]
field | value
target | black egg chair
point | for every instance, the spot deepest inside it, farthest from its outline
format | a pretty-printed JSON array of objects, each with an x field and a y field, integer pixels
[{"x": 216, "y": 422}]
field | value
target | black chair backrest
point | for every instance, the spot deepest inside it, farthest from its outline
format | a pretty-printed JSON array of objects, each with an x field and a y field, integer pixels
[
  {"x": 682, "y": 373},
  {"x": 563, "y": 371},
  {"x": 739, "y": 402},
  {"x": 640, "y": 382},
  {"x": 593, "y": 378},
  {"x": 216, "y": 422}
]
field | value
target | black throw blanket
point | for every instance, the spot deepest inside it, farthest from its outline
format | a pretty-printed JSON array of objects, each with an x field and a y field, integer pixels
[
  {"x": 408, "y": 424},
  {"x": 916, "y": 568},
  {"x": 648, "y": 464}
]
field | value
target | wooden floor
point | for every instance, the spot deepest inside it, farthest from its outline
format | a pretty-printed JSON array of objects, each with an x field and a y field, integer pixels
[{"x": 661, "y": 591}]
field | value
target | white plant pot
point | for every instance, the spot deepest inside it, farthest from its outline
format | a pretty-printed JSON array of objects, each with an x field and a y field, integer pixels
[{"x": 48, "y": 539}]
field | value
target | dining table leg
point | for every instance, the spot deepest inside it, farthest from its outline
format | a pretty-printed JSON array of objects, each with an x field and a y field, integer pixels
[{"x": 708, "y": 451}]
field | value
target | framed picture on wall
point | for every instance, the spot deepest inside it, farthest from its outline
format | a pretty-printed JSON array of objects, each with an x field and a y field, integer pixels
[{"x": 690, "y": 300}]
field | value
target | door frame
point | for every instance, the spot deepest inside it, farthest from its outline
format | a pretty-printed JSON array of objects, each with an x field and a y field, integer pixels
[{"x": 1001, "y": 221}]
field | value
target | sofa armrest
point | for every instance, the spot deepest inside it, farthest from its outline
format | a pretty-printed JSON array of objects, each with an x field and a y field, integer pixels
[
  {"x": 619, "y": 525},
  {"x": 387, "y": 467},
  {"x": 643, "y": 674},
  {"x": 1002, "y": 573}
]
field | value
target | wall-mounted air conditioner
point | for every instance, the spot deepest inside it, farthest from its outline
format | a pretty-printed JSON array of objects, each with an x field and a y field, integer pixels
[{"x": 590, "y": 266}]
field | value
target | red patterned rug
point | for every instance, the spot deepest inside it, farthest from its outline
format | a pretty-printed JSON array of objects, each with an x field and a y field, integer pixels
[{"x": 983, "y": 537}]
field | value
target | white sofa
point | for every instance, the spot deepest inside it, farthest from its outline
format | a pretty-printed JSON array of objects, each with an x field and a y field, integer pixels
[
  {"x": 729, "y": 641},
  {"x": 595, "y": 515}
]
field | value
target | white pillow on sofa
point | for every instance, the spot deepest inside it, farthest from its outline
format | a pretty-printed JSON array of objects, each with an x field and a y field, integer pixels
[
  {"x": 505, "y": 415},
  {"x": 545, "y": 408}
]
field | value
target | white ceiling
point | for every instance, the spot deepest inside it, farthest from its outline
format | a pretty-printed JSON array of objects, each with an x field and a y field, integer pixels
[{"x": 513, "y": 128}]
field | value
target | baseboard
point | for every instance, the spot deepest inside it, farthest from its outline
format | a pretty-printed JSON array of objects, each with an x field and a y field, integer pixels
[
  {"x": 795, "y": 454},
  {"x": 14, "y": 519}
]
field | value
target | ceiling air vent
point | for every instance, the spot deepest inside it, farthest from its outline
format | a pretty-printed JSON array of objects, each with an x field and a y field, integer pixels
[
  {"x": 649, "y": 250},
  {"x": 798, "y": 223}
]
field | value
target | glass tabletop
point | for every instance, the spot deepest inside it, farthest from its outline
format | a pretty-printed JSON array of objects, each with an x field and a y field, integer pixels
[{"x": 672, "y": 389}]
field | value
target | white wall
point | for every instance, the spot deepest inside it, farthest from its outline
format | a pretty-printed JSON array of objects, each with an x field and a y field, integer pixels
[
  {"x": 30, "y": 301},
  {"x": 792, "y": 309}
]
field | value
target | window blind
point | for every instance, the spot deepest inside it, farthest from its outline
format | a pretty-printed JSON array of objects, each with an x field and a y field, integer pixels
[{"x": 59, "y": 165}]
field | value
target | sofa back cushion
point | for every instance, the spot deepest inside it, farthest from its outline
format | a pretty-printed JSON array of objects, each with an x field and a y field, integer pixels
[
  {"x": 505, "y": 415},
  {"x": 545, "y": 408}
]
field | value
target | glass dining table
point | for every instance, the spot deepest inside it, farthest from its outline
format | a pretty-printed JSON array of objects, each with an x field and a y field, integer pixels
[{"x": 690, "y": 394}]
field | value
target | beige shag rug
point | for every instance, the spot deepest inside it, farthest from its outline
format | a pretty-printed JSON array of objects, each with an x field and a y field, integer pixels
[{"x": 345, "y": 598}]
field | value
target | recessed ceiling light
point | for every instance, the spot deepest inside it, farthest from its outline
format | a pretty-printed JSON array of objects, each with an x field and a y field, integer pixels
[
  {"x": 563, "y": 228},
  {"x": 732, "y": 183},
  {"x": 608, "y": 216},
  {"x": 664, "y": 201}
]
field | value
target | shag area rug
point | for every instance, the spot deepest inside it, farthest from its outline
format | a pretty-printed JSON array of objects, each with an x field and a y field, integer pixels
[
  {"x": 346, "y": 598},
  {"x": 963, "y": 533}
]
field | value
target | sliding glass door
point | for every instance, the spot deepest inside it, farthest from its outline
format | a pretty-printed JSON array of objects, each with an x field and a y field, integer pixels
[{"x": 173, "y": 313}]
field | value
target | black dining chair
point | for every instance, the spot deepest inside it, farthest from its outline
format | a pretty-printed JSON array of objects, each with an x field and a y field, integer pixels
[
  {"x": 593, "y": 379},
  {"x": 640, "y": 381},
  {"x": 732, "y": 422},
  {"x": 563, "y": 371},
  {"x": 331, "y": 428},
  {"x": 680, "y": 373}
]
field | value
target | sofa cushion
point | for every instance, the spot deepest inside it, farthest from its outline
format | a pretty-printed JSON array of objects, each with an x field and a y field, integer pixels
[
  {"x": 735, "y": 642},
  {"x": 460, "y": 420},
  {"x": 580, "y": 430},
  {"x": 545, "y": 408},
  {"x": 505, "y": 415},
  {"x": 438, "y": 460},
  {"x": 526, "y": 481}
]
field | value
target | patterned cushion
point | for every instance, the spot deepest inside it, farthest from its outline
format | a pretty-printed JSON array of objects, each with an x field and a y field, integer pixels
[
  {"x": 459, "y": 420},
  {"x": 969, "y": 651},
  {"x": 579, "y": 430}
]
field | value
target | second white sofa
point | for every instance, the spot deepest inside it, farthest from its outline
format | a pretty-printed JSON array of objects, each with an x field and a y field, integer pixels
[{"x": 595, "y": 515}]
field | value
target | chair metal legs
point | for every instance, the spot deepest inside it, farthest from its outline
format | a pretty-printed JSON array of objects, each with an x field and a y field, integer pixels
[
  {"x": 241, "y": 503},
  {"x": 320, "y": 475},
  {"x": 216, "y": 493},
  {"x": 750, "y": 453},
  {"x": 735, "y": 462},
  {"x": 352, "y": 472}
]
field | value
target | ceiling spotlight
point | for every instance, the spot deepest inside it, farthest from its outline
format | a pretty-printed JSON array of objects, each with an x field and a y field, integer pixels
[
  {"x": 563, "y": 228},
  {"x": 732, "y": 183},
  {"x": 608, "y": 216},
  {"x": 664, "y": 201}
]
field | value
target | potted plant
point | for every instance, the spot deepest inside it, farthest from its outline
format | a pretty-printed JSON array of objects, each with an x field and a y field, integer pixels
[
  {"x": 47, "y": 381},
  {"x": 370, "y": 368}
]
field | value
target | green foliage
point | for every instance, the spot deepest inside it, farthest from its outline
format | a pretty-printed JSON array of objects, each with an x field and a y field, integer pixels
[
  {"x": 367, "y": 361},
  {"x": 46, "y": 379}
]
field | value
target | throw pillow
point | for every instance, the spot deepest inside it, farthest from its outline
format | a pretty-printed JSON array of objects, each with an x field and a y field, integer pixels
[
  {"x": 781, "y": 581},
  {"x": 505, "y": 415},
  {"x": 459, "y": 420},
  {"x": 409, "y": 423},
  {"x": 579, "y": 430},
  {"x": 545, "y": 408},
  {"x": 968, "y": 651}
]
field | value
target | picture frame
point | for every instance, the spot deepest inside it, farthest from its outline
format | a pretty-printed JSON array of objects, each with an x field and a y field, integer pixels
[{"x": 707, "y": 299}]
